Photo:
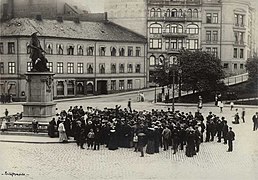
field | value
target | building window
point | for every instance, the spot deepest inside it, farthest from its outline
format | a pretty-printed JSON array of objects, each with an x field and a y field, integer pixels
[
  {"x": 129, "y": 84},
  {"x": 29, "y": 66},
  {"x": 235, "y": 66},
  {"x": 225, "y": 66},
  {"x": 152, "y": 60},
  {"x": 208, "y": 49},
  {"x": 155, "y": 29},
  {"x": 168, "y": 13},
  {"x": 102, "y": 51},
  {"x": 241, "y": 20},
  {"x": 236, "y": 37},
  {"x": 80, "y": 50},
  {"x": 241, "y": 66},
  {"x": 180, "y": 43},
  {"x": 102, "y": 68},
  {"x": 241, "y": 37},
  {"x": 138, "y": 68},
  {"x": 113, "y": 68},
  {"x": 192, "y": 29},
  {"x": 215, "y": 36},
  {"x": 158, "y": 12},
  {"x": 180, "y": 13},
  {"x": 60, "y": 49},
  {"x": 173, "y": 28},
  {"x": 11, "y": 67},
  {"x": 113, "y": 85},
  {"x": 179, "y": 29},
  {"x": 173, "y": 13},
  {"x": 70, "y": 68},
  {"x": 70, "y": 50},
  {"x": 173, "y": 44},
  {"x": 90, "y": 68},
  {"x": 192, "y": 44},
  {"x": 215, "y": 51},
  {"x": 1, "y": 68},
  {"x": 50, "y": 66},
  {"x": 121, "y": 84},
  {"x": 90, "y": 51},
  {"x": 195, "y": 13},
  {"x": 1, "y": 48},
  {"x": 167, "y": 28},
  {"x": 152, "y": 12},
  {"x": 11, "y": 49},
  {"x": 121, "y": 68},
  {"x": 155, "y": 43},
  {"x": 241, "y": 55},
  {"x": 138, "y": 52},
  {"x": 60, "y": 88},
  {"x": 60, "y": 68},
  {"x": 70, "y": 87},
  {"x": 129, "y": 68},
  {"x": 121, "y": 52},
  {"x": 215, "y": 18},
  {"x": 167, "y": 44},
  {"x": 80, "y": 68},
  {"x": 49, "y": 48},
  {"x": 130, "y": 51},
  {"x": 189, "y": 13},
  {"x": 208, "y": 36},
  {"x": 113, "y": 51},
  {"x": 235, "y": 53},
  {"x": 208, "y": 18}
]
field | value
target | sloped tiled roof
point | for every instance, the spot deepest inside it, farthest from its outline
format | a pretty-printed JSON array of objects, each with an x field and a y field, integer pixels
[{"x": 102, "y": 31}]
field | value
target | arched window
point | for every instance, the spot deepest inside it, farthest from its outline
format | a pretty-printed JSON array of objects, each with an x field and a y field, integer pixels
[
  {"x": 180, "y": 13},
  {"x": 113, "y": 51},
  {"x": 167, "y": 28},
  {"x": 70, "y": 87},
  {"x": 49, "y": 49},
  {"x": 192, "y": 29},
  {"x": 195, "y": 13},
  {"x": 180, "y": 28},
  {"x": 60, "y": 88},
  {"x": 168, "y": 13},
  {"x": 189, "y": 12},
  {"x": 158, "y": 13},
  {"x": 172, "y": 60},
  {"x": 173, "y": 13},
  {"x": 80, "y": 50},
  {"x": 113, "y": 68},
  {"x": 28, "y": 48},
  {"x": 161, "y": 60},
  {"x": 121, "y": 52},
  {"x": 173, "y": 28},
  {"x": 155, "y": 29},
  {"x": 152, "y": 60},
  {"x": 152, "y": 12}
]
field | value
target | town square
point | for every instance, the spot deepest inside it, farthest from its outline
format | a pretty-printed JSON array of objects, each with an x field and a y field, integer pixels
[{"x": 137, "y": 89}]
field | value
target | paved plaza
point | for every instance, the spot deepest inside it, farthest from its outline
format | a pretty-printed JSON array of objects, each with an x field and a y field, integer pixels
[{"x": 66, "y": 161}]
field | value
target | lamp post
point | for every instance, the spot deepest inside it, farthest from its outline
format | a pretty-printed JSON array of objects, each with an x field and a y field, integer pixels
[
  {"x": 155, "y": 98},
  {"x": 179, "y": 85},
  {"x": 173, "y": 90}
]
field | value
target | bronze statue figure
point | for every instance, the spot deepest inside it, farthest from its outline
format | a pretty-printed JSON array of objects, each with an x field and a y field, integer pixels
[{"x": 39, "y": 61}]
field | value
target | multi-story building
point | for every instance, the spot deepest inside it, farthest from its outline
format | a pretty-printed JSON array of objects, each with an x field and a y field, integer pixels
[
  {"x": 86, "y": 57},
  {"x": 224, "y": 28}
]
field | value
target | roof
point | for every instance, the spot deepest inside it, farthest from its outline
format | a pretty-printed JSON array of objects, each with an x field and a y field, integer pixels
[{"x": 101, "y": 31}]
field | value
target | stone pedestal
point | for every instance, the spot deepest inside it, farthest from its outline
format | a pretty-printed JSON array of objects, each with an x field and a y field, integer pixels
[{"x": 39, "y": 103}]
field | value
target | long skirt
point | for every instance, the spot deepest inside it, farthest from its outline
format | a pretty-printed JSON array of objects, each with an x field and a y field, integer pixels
[
  {"x": 62, "y": 137},
  {"x": 150, "y": 149}
]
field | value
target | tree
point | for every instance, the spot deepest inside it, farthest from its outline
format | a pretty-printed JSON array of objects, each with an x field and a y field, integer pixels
[
  {"x": 252, "y": 69},
  {"x": 201, "y": 71}
]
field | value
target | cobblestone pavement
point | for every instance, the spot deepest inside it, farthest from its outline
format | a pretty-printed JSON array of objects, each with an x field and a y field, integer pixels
[{"x": 66, "y": 161}]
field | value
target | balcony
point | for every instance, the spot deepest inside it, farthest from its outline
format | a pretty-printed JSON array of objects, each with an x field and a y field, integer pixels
[
  {"x": 182, "y": 19},
  {"x": 178, "y": 2},
  {"x": 176, "y": 35},
  {"x": 172, "y": 51}
]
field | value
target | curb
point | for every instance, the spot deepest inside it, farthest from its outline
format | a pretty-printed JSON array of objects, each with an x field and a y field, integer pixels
[{"x": 35, "y": 142}]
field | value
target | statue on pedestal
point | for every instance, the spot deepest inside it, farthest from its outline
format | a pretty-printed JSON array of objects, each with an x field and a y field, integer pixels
[{"x": 39, "y": 61}]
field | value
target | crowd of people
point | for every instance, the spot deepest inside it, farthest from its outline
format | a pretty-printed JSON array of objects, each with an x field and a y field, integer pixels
[{"x": 155, "y": 129}]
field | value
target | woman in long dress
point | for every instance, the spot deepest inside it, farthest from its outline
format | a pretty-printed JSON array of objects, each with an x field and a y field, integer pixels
[
  {"x": 62, "y": 134},
  {"x": 4, "y": 125}
]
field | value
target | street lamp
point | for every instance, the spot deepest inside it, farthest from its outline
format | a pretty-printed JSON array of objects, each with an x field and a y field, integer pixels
[
  {"x": 155, "y": 98},
  {"x": 179, "y": 84}
]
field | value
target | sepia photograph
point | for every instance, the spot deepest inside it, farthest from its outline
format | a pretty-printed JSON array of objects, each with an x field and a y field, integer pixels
[{"x": 129, "y": 89}]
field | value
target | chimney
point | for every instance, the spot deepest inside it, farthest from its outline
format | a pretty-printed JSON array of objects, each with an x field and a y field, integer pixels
[
  {"x": 59, "y": 19},
  {"x": 105, "y": 16},
  {"x": 39, "y": 17},
  {"x": 8, "y": 10}
]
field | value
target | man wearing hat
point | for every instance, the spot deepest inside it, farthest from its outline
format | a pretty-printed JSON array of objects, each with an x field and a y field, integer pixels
[{"x": 230, "y": 138}]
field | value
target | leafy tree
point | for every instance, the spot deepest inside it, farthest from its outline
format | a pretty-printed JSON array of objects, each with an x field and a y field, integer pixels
[
  {"x": 252, "y": 69},
  {"x": 201, "y": 71}
]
